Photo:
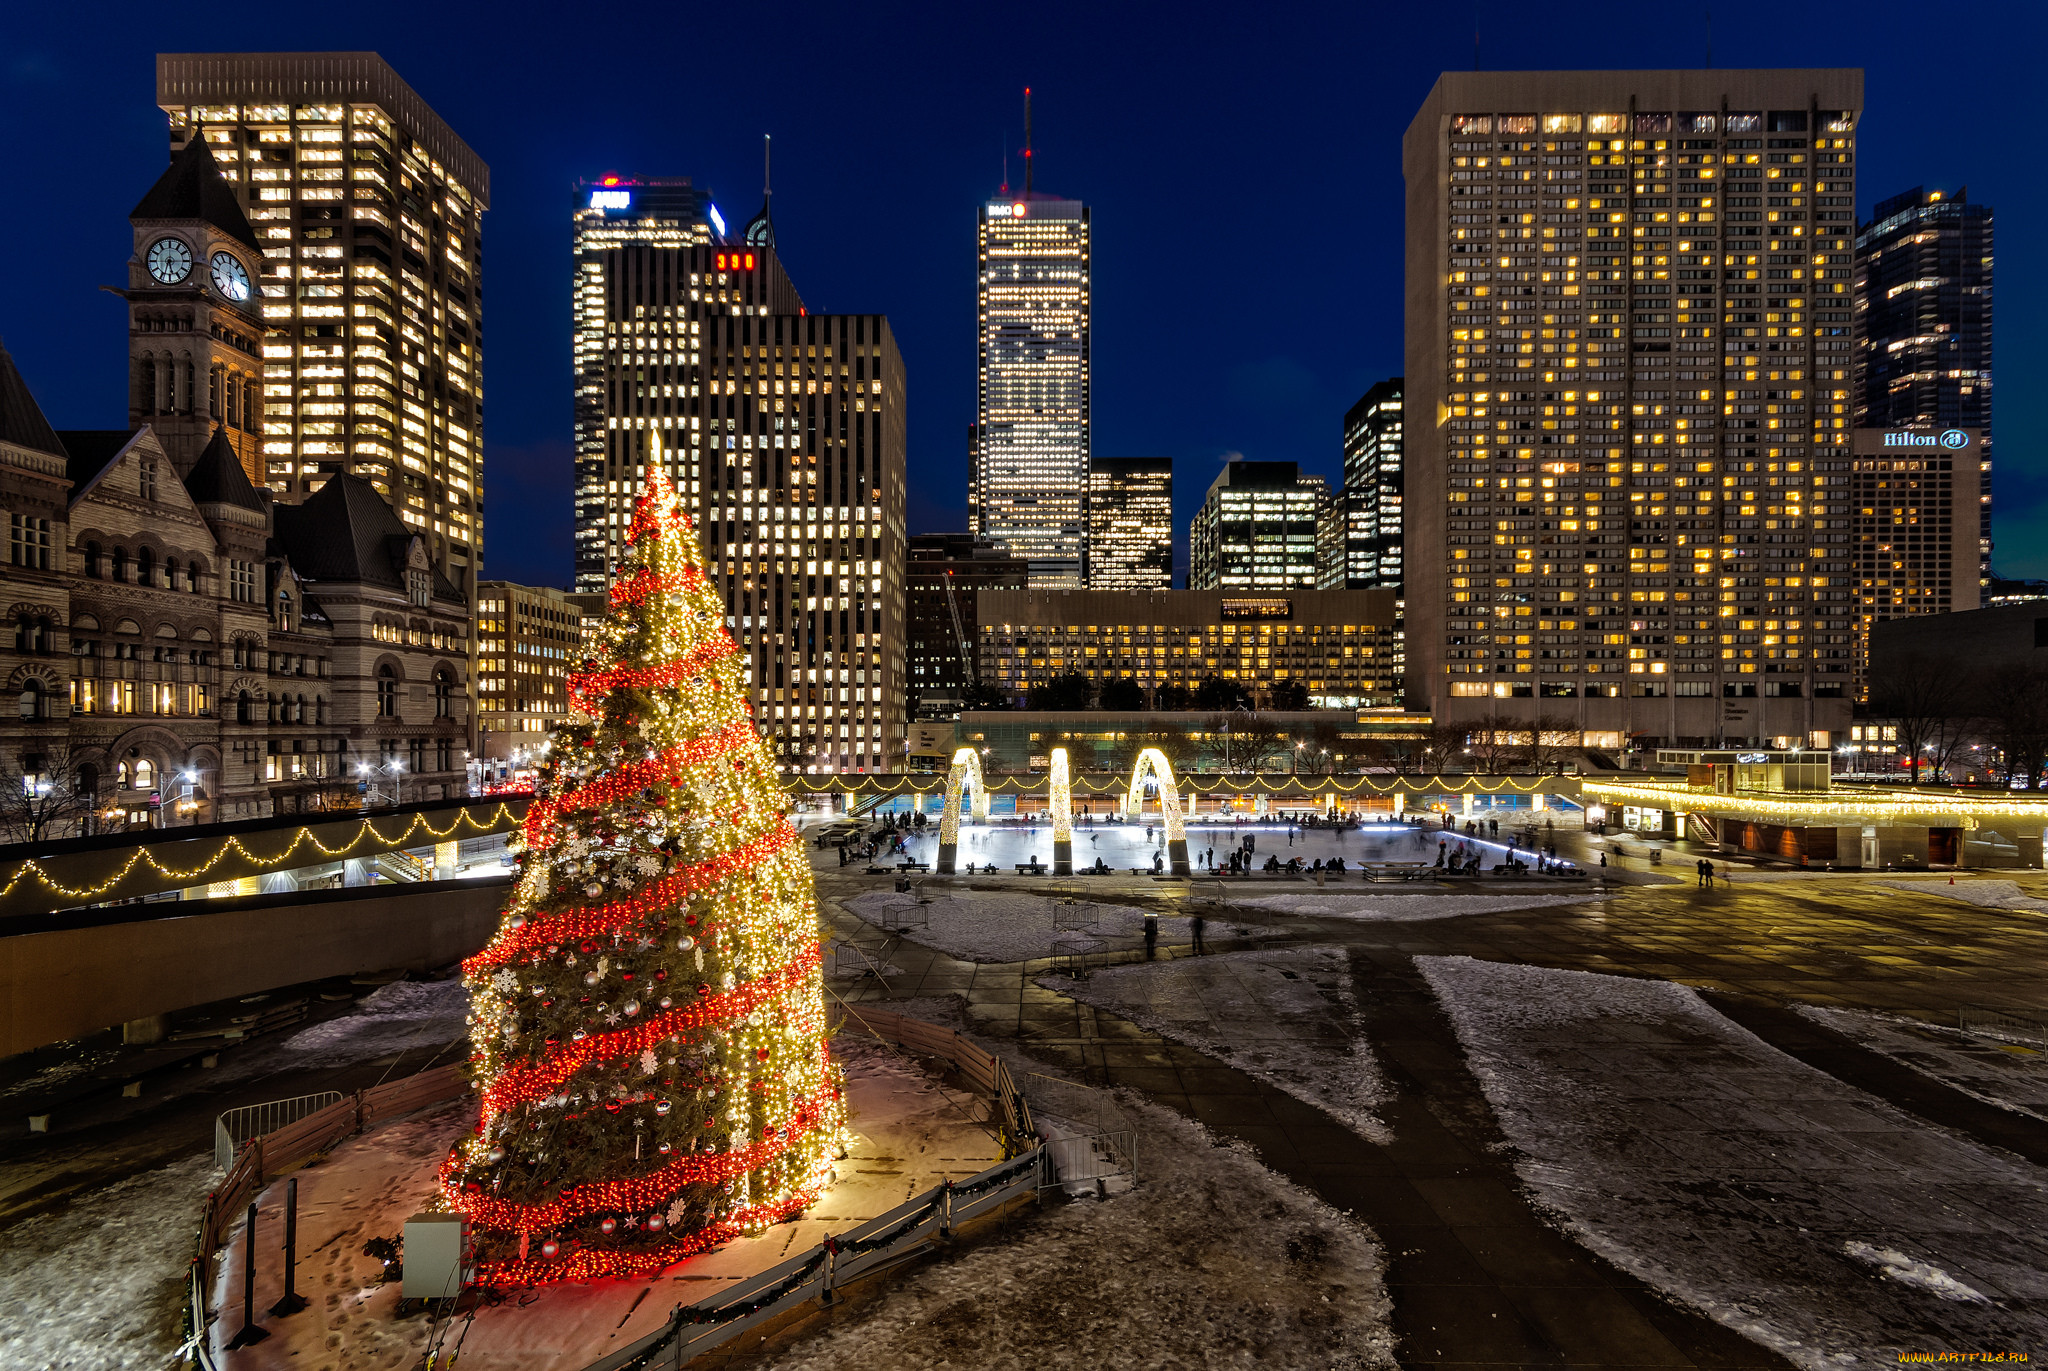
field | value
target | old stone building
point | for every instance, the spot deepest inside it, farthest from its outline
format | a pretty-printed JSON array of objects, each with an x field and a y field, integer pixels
[{"x": 185, "y": 651}]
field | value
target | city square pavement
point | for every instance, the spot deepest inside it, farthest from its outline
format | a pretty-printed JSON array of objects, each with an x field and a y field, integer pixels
[{"x": 1479, "y": 1278}]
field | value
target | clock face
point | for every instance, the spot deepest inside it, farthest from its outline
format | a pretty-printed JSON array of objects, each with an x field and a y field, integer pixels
[
  {"x": 170, "y": 261},
  {"x": 230, "y": 277}
]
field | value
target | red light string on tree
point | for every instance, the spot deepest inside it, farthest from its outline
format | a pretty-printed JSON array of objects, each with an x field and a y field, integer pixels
[
  {"x": 524, "y": 1083},
  {"x": 597, "y": 1263},
  {"x": 661, "y": 895},
  {"x": 665, "y": 768},
  {"x": 633, "y": 589},
  {"x": 586, "y": 689},
  {"x": 651, "y": 1191}
]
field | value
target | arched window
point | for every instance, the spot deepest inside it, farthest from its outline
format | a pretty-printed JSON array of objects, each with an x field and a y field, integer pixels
[
  {"x": 145, "y": 568},
  {"x": 32, "y": 701},
  {"x": 387, "y": 693},
  {"x": 121, "y": 776},
  {"x": 89, "y": 780},
  {"x": 284, "y": 611},
  {"x": 120, "y": 563},
  {"x": 244, "y": 708},
  {"x": 145, "y": 386},
  {"x": 145, "y": 774},
  {"x": 320, "y": 709},
  {"x": 92, "y": 560},
  {"x": 170, "y": 573},
  {"x": 444, "y": 692}
]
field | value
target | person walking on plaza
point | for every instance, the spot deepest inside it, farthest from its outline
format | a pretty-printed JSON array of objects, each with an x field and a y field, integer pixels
[
  {"x": 1699, "y": 871},
  {"x": 1709, "y": 873}
]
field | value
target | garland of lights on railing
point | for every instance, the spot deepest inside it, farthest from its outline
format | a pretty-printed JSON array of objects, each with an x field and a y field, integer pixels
[
  {"x": 648, "y": 1022},
  {"x": 501, "y": 818}
]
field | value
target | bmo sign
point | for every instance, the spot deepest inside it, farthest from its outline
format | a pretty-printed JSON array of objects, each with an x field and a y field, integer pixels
[{"x": 1929, "y": 441}]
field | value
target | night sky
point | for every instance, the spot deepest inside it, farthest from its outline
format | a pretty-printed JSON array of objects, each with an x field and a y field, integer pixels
[{"x": 1243, "y": 163}]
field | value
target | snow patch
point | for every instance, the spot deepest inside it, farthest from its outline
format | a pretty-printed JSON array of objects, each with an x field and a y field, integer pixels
[
  {"x": 2002, "y": 1074},
  {"x": 1983, "y": 894},
  {"x": 1900, "y": 1267},
  {"x": 1285, "y": 1016},
  {"x": 398, "y": 1017},
  {"x": 98, "y": 1284},
  {"x": 1406, "y": 908},
  {"x": 1732, "y": 1177}
]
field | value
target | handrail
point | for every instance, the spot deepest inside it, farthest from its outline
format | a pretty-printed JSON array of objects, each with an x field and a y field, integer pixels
[{"x": 233, "y": 1128}]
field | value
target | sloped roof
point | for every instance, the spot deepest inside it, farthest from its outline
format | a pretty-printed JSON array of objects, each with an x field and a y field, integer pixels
[
  {"x": 21, "y": 418},
  {"x": 345, "y": 531},
  {"x": 217, "y": 477},
  {"x": 193, "y": 188},
  {"x": 90, "y": 451}
]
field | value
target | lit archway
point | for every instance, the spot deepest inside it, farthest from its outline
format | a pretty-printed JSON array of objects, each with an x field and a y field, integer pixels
[
  {"x": 966, "y": 771},
  {"x": 1059, "y": 801},
  {"x": 1152, "y": 762}
]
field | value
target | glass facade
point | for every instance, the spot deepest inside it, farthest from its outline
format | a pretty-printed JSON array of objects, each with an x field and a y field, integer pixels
[
  {"x": 1130, "y": 523},
  {"x": 1029, "y": 449},
  {"x": 1366, "y": 545},
  {"x": 1258, "y": 529},
  {"x": 370, "y": 211}
]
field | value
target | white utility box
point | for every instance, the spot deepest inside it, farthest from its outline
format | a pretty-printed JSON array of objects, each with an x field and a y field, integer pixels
[{"x": 438, "y": 1262}]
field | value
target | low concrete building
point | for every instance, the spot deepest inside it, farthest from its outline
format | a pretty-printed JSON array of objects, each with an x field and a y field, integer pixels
[{"x": 1785, "y": 804}]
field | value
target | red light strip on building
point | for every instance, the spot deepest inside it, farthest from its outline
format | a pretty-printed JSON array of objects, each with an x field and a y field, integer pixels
[
  {"x": 524, "y": 1084},
  {"x": 637, "y": 1193}
]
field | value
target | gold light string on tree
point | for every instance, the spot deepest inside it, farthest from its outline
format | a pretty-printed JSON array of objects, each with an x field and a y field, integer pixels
[{"x": 648, "y": 1024}]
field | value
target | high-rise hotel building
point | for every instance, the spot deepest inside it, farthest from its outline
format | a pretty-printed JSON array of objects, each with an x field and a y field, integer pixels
[
  {"x": 368, "y": 210},
  {"x": 1628, "y": 393},
  {"x": 784, "y": 430},
  {"x": 1029, "y": 448},
  {"x": 1130, "y": 523},
  {"x": 609, "y": 212},
  {"x": 1923, "y": 344}
]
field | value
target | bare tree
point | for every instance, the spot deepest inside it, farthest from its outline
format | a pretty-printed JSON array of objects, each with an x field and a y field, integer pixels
[
  {"x": 2013, "y": 698},
  {"x": 1925, "y": 697},
  {"x": 45, "y": 794},
  {"x": 1553, "y": 740},
  {"x": 1498, "y": 743},
  {"x": 1242, "y": 740}
]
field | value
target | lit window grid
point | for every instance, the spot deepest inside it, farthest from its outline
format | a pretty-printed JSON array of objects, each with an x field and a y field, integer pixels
[{"x": 1752, "y": 643}]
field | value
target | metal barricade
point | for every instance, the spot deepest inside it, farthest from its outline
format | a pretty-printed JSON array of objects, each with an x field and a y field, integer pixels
[{"x": 237, "y": 1126}]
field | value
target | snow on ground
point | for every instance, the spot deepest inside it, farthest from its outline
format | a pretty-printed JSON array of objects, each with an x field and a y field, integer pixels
[
  {"x": 1285, "y": 1016},
  {"x": 1984, "y": 894},
  {"x": 1406, "y": 908},
  {"x": 98, "y": 1284},
  {"x": 2003, "y": 1074},
  {"x": 1210, "y": 1261},
  {"x": 1006, "y": 925},
  {"x": 398, "y": 1017},
  {"x": 1736, "y": 1179},
  {"x": 910, "y": 1133}
]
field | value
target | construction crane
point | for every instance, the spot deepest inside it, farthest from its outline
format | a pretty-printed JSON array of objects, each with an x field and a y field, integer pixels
[{"x": 967, "y": 662}]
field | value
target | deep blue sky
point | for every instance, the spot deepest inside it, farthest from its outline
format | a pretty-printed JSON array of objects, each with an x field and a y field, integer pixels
[{"x": 1243, "y": 163}]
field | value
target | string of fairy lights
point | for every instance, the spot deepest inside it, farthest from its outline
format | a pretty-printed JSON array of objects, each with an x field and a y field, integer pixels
[{"x": 501, "y": 818}]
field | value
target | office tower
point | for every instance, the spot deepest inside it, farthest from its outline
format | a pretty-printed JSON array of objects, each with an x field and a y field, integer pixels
[
  {"x": 1628, "y": 342},
  {"x": 195, "y": 321},
  {"x": 610, "y": 212},
  {"x": 1130, "y": 523},
  {"x": 1923, "y": 304},
  {"x": 1030, "y": 447},
  {"x": 944, "y": 575},
  {"x": 529, "y": 638},
  {"x": 370, "y": 213},
  {"x": 1257, "y": 529},
  {"x": 784, "y": 432},
  {"x": 1371, "y": 497},
  {"x": 1341, "y": 646},
  {"x": 1913, "y": 525}
]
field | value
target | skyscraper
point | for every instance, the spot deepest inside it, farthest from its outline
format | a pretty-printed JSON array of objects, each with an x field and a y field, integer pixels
[
  {"x": 1373, "y": 489},
  {"x": 1923, "y": 301},
  {"x": 1257, "y": 529},
  {"x": 369, "y": 210},
  {"x": 609, "y": 212},
  {"x": 1130, "y": 523},
  {"x": 1628, "y": 341},
  {"x": 784, "y": 431},
  {"x": 1030, "y": 446},
  {"x": 944, "y": 576}
]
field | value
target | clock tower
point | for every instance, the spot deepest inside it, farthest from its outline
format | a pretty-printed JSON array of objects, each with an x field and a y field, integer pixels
[{"x": 195, "y": 323}]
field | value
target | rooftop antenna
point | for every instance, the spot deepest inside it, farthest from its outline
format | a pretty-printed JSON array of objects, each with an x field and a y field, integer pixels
[
  {"x": 767, "y": 171},
  {"x": 1006, "y": 163},
  {"x": 1027, "y": 141}
]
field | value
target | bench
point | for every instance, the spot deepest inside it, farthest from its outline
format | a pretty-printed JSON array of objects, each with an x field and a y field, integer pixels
[
  {"x": 1030, "y": 868},
  {"x": 913, "y": 866}
]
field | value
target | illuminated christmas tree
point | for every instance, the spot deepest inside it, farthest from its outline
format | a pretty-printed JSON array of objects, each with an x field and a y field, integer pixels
[{"x": 649, "y": 1021}]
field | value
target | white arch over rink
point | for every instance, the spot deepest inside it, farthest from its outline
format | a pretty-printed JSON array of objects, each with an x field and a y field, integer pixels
[
  {"x": 966, "y": 771},
  {"x": 1152, "y": 762},
  {"x": 1059, "y": 801}
]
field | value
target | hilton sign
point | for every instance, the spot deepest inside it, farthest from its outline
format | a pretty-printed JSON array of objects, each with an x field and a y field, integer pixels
[{"x": 1877, "y": 442}]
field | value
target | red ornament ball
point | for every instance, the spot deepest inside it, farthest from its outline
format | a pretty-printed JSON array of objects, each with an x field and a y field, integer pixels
[
  {"x": 550, "y": 1248},
  {"x": 655, "y": 1223},
  {"x": 608, "y": 1227}
]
